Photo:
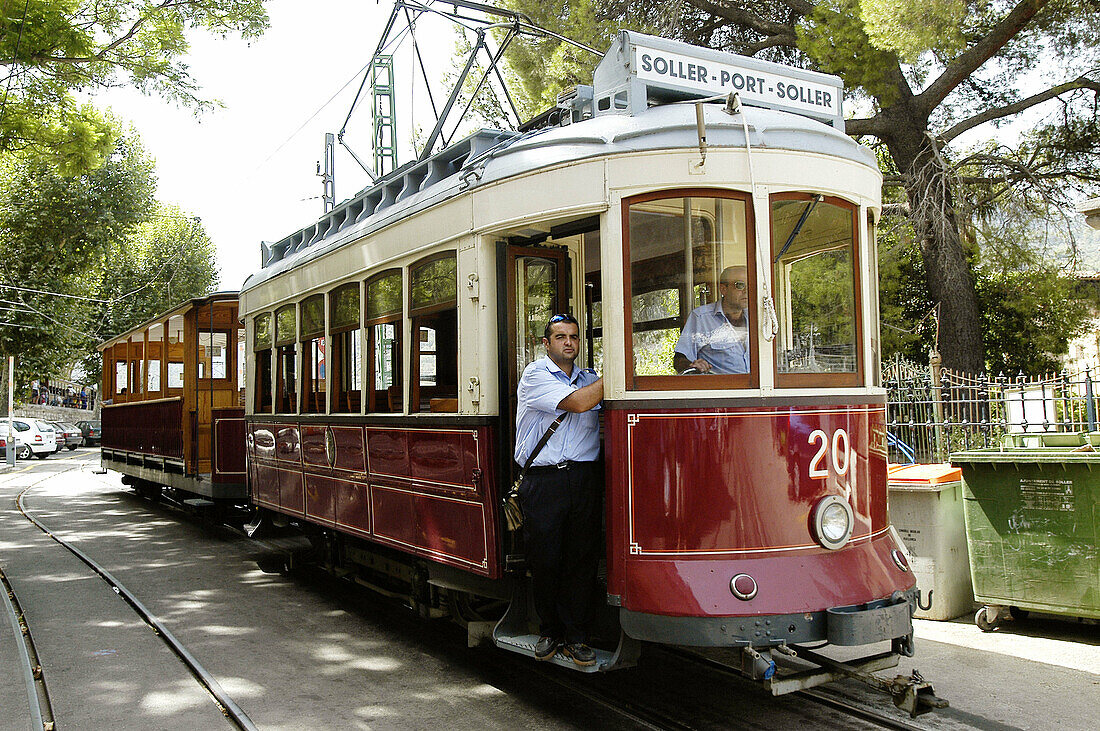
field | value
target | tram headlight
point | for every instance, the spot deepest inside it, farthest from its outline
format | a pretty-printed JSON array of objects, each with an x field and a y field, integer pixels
[{"x": 833, "y": 520}]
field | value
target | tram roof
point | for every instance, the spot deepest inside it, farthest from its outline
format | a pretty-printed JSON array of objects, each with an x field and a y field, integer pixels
[
  {"x": 491, "y": 155},
  {"x": 223, "y": 296},
  {"x": 642, "y": 99}
]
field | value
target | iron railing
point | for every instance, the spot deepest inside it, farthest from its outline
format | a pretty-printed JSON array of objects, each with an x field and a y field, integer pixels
[{"x": 933, "y": 411}]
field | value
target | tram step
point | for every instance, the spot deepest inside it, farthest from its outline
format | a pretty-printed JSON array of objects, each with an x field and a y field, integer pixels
[
  {"x": 198, "y": 502},
  {"x": 525, "y": 645}
]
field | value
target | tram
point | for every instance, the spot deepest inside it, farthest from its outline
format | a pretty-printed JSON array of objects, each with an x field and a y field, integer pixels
[
  {"x": 173, "y": 415},
  {"x": 383, "y": 343}
]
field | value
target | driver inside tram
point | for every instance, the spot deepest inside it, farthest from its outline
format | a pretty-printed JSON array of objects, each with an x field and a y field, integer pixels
[{"x": 715, "y": 338}]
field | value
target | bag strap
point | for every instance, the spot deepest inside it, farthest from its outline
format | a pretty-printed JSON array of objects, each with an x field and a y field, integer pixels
[{"x": 542, "y": 443}]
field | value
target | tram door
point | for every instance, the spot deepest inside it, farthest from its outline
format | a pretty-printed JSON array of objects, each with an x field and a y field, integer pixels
[{"x": 537, "y": 284}]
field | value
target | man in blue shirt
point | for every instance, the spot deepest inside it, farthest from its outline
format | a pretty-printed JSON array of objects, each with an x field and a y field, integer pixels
[
  {"x": 561, "y": 493},
  {"x": 715, "y": 338}
]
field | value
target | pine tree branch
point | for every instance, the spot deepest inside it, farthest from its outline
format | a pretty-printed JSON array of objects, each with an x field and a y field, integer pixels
[
  {"x": 966, "y": 63},
  {"x": 1082, "y": 82},
  {"x": 738, "y": 15}
]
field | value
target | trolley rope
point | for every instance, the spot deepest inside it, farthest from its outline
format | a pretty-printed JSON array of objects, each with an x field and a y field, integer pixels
[{"x": 227, "y": 705}]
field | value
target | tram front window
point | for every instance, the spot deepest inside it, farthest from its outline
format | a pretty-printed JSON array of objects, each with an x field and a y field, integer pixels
[
  {"x": 690, "y": 286},
  {"x": 817, "y": 299}
]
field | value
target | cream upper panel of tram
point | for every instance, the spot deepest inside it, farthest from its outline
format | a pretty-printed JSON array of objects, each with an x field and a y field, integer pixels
[{"x": 668, "y": 127}]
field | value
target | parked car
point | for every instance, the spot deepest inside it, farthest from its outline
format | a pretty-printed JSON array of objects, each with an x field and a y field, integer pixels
[
  {"x": 73, "y": 437},
  {"x": 36, "y": 440},
  {"x": 22, "y": 449},
  {"x": 91, "y": 431},
  {"x": 49, "y": 431}
]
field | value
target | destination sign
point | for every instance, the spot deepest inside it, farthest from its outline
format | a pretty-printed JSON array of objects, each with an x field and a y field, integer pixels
[{"x": 753, "y": 85}]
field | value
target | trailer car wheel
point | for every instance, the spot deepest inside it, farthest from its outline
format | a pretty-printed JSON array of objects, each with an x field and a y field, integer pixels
[
  {"x": 981, "y": 618},
  {"x": 1018, "y": 614}
]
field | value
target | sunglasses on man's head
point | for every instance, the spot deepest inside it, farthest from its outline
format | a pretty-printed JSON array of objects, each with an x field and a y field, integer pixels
[{"x": 562, "y": 318}]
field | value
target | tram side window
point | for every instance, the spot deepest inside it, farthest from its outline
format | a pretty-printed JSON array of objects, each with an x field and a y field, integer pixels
[
  {"x": 285, "y": 381},
  {"x": 262, "y": 337},
  {"x": 433, "y": 305},
  {"x": 383, "y": 323},
  {"x": 689, "y": 285},
  {"x": 346, "y": 356},
  {"x": 313, "y": 354},
  {"x": 817, "y": 298}
]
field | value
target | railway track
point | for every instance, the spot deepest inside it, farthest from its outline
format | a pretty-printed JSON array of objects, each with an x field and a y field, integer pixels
[
  {"x": 819, "y": 697},
  {"x": 41, "y": 714}
]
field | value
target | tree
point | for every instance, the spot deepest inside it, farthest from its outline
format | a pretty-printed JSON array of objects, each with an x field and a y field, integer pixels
[
  {"x": 161, "y": 262},
  {"x": 53, "y": 232},
  {"x": 926, "y": 74},
  {"x": 89, "y": 256},
  {"x": 53, "y": 49}
]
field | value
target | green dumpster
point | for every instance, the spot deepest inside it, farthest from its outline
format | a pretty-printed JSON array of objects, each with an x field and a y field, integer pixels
[{"x": 1032, "y": 512}]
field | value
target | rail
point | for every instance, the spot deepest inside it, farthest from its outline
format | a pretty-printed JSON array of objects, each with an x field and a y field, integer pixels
[{"x": 147, "y": 427}]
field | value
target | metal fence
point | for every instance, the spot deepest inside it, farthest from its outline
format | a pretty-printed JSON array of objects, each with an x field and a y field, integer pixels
[{"x": 933, "y": 411}]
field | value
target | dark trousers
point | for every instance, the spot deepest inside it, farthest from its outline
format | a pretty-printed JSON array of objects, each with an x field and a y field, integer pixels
[{"x": 561, "y": 529}]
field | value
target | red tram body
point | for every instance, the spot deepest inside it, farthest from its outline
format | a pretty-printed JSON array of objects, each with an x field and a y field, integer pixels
[{"x": 384, "y": 343}]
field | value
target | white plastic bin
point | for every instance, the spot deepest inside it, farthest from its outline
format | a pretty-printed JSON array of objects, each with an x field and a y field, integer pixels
[{"x": 926, "y": 509}]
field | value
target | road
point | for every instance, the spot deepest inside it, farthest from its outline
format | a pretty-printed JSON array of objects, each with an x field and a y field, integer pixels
[{"x": 306, "y": 651}]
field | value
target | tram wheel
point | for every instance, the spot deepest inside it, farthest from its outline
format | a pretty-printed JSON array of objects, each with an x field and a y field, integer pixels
[{"x": 981, "y": 618}]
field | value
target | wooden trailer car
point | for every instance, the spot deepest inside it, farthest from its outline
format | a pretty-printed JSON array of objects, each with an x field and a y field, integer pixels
[{"x": 173, "y": 390}]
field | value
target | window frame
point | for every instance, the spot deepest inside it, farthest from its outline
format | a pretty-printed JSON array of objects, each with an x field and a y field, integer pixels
[
  {"x": 417, "y": 315},
  {"x": 312, "y": 392},
  {"x": 199, "y": 360},
  {"x": 264, "y": 350},
  {"x": 335, "y": 372},
  {"x": 823, "y": 380},
  {"x": 396, "y": 318},
  {"x": 280, "y": 346},
  {"x": 702, "y": 381}
]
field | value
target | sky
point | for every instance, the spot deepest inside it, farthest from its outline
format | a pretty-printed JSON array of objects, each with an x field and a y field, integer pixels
[{"x": 248, "y": 169}]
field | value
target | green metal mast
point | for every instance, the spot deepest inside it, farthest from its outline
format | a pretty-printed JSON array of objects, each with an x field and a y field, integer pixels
[{"x": 385, "y": 115}]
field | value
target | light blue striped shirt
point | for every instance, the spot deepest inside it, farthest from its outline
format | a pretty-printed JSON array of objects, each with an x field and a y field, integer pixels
[{"x": 541, "y": 388}]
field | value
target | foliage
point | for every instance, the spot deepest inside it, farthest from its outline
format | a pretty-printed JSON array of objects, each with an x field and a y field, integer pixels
[
  {"x": 54, "y": 231},
  {"x": 98, "y": 237},
  {"x": 1029, "y": 316},
  {"x": 53, "y": 50}
]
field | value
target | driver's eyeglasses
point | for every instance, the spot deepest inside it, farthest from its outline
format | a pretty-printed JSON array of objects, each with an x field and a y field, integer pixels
[{"x": 737, "y": 284}]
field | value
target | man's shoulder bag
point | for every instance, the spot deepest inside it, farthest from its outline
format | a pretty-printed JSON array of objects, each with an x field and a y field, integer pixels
[{"x": 513, "y": 511}]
